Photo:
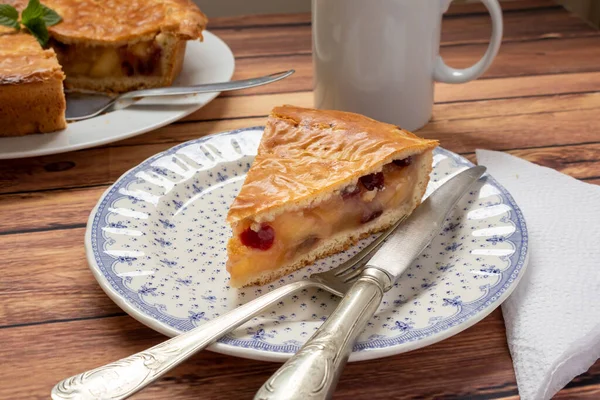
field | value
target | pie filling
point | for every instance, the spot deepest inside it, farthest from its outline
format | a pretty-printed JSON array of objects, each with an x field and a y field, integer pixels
[
  {"x": 290, "y": 235},
  {"x": 142, "y": 58}
]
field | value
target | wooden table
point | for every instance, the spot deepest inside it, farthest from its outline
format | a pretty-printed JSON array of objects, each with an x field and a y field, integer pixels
[{"x": 540, "y": 100}]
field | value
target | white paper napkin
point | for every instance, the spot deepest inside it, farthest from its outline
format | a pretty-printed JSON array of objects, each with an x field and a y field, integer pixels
[{"x": 553, "y": 317}]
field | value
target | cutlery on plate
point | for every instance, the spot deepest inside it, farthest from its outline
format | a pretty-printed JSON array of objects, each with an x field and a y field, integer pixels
[
  {"x": 123, "y": 378},
  {"x": 85, "y": 105},
  {"x": 312, "y": 373}
]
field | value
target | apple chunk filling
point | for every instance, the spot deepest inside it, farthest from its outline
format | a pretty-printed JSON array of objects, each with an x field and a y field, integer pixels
[
  {"x": 293, "y": 234},
  {"x": 141, "y": 58}
]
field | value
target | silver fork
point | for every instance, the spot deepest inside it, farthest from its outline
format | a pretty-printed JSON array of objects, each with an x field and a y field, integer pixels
[
  {"x": 122, "y": 378},
  {"x": 85, "y": 105}
]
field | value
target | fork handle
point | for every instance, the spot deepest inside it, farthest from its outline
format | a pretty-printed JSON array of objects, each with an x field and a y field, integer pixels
[
  {"x": 313, "y": 372},
  {"x": 121, "y": 379}
]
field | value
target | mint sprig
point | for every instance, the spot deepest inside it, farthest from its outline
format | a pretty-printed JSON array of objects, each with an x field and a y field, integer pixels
[
  {"x": 38, "y": 29},
  {"x": 32, "y": 12},
  {"x": 50, "y": 16},
  {"x": 36, "y": 17},
  {"x": 9, "y": 16}
]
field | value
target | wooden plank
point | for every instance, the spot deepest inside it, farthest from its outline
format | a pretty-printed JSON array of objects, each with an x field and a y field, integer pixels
[
  {"x": 517, "y": 106},
  {"x": 584, "y": 391},
  {"x": 518, "y": 26},
  {"x": 484, "y": 89},
  {"x": 481, "y": 89},
  {"x": 103, "y": 165},
  {"x": 95, "y": 166},
  {"x": 457, "y": 10},
  {"x": 507, "y": 7},
  {"x": 253, "y": 106},
  {"x": 260, "y": 105},
  {"x": 540, "y": 57},
  {"x": 530, "y": 58},
  {"x": 67, "y": 208},
  {"x": 265, "y": 20},
  {"x": 76, "y": 346},
  {"x": 247, "y": 68},
  {"x": 182, "y": 132},
  {"x": 579, "y": 161},
  {"x": 525, "y": 25},
  {"x": 46, "y": 210},
  {"x": 268, "y": 41},
  {"x": 520, "y": 131},
  {"x": 472, "y": 364},
  {"x": 45, "y": 277},
  {"x": 503, "y": 88},
  {"x": 593, "y": 181}
]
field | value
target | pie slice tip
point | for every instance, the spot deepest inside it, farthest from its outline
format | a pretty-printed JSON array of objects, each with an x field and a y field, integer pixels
[{"x": 321, "y": 181}]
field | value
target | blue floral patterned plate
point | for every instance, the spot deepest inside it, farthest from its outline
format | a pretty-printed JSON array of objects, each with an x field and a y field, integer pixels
[{"x": 156, "y": 244}]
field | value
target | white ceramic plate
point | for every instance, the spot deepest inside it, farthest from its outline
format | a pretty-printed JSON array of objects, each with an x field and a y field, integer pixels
[
  {"x": 156, "y": 244},
  {"x": 205, "y": 62}
]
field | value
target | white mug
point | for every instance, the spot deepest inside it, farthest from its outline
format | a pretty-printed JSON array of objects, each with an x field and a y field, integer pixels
[{"x": 381, "y": 58}]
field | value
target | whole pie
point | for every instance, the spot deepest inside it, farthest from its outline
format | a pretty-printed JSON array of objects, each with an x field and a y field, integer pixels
[
  {"x": 102, "y": 45},
  {"x": 321, "y": 180}
]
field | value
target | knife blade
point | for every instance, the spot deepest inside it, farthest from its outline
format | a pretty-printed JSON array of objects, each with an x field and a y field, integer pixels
[{"x": 312, "y": 373}]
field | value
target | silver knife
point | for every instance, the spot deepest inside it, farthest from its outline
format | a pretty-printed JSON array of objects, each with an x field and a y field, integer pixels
[{"x": 313, "y": 372}]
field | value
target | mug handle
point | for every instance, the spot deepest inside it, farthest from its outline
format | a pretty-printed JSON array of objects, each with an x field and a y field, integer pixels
[{"x": 446, "y": 74}]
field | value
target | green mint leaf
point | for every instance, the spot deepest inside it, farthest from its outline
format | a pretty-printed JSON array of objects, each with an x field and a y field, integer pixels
[
  {"x": 9, "y": 16},
  {"x": 50, "y": 16},
  {"x": 37, "y": 27},
  {"x": 32, "y": 12}
]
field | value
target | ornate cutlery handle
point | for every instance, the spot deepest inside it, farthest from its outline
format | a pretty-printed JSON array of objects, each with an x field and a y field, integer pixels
[
  {"x": 121, "y": 379},
  {"x": 312, "y": 373}
]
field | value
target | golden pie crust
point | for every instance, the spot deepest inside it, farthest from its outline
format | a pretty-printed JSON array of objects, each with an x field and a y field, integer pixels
[
  {"x": 22, "y": 60},
  {"x": 117, "y": 22},
  {"x": 306, "y": 154}
]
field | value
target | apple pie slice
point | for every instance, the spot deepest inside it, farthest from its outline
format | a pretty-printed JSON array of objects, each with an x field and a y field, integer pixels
[
  {"x": 321, "y": 181},
  {"x": 31, "y": 86}
]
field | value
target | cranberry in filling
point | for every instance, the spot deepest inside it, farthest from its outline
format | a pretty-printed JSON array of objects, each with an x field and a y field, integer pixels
[
  {"x": 405, "y": 162},
  {"x": 368, "y": 217},
  {"x": 263, "y": 239},
  {"x": 373, "y": 181}
]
